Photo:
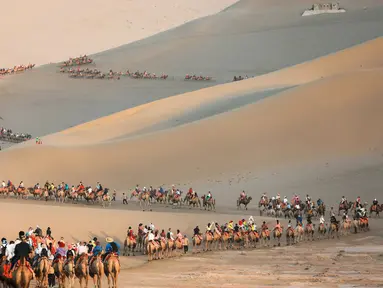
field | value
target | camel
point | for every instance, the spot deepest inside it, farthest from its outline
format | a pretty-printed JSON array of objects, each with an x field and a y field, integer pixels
[
  {"x": 309, "y": 232},
  {"x": 58, "y": 267},
  {"x": 144, "y": 199},
  {"x": 345, "y": 227},
  {"x": 96, "y": 270},
  {"x": 192, "y": 201},
  {"x": 253, "y": 238},
  {"x": 106, "y": 201},
  {"x": 130, "y": 244},
  {"x": 299, "y": 233},
  {"x": 197, "y": 241},
  {"x": 277, "y": 234},
  {"x": 217, "y": 240},
  {"x": 334, "y": 229},
  {"x": 237, "y": 239},
  {"x": 41, "y": 272},
  {"x": 208, "y": 241},
  {"x": 344, "y": 207},
  {"x": 69, "y": 271},
  {"x": 265, "y": 237},
  {"x": 112, "y": 269},
  {"x": 22, "y": 276},
  {"x": 321, "y": 210},
  {"x": 60, "y": 196},
  {"x": 81, "y": 270},
  {"x": 262, "y": 205},
  {"x": 243, "y": 201},
  {"x": 288, "y": 213},
  {"x": 208, "y": 204},
  {"x": 375, "y": 209},
  {"x": 171, "y": 246},
  {"x": 363, "y": 224},
  {"x": 226, "y": 239},
  {"x": 290, "y": 236},
  {"x": 322, "y": 230},
  {"x": 355, "y": 225}
]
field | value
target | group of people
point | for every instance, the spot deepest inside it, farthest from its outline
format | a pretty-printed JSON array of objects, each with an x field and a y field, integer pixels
[
  {"x": 9, "y": 136},
  {"x": 15, "y": 69},
  {"x": 32, "y": 245}
]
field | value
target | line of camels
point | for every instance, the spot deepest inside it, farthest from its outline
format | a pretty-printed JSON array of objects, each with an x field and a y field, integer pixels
[
  {"x": 65, "y": 271},
  {"x": 16, "y": 69},
  {"x": 244, "y": 238}
]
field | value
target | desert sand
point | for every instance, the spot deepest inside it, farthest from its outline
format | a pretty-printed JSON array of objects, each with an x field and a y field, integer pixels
[{"x": 308, "y": 122}]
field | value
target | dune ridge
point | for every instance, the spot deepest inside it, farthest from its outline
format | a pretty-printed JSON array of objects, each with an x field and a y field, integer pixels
[
  {"x": 364, "y": 56},
  {"x": 337, "y": 116}
]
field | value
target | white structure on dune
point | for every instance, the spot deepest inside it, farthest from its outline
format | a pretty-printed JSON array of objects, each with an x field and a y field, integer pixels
[{"x": 324, "y": 8}]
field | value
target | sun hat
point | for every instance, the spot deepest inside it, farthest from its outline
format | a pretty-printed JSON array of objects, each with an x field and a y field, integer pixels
[{"x": 109, "y": 240}]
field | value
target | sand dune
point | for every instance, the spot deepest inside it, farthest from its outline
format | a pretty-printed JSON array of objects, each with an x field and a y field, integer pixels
[
  {"x": 90, "y": 26},
  {"x": 252, "y": 37},
  {"x": 334, "y": 117},
  {"x": 125, "y": 123}
]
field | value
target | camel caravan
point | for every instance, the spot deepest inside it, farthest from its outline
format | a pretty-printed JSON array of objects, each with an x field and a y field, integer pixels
[
  {"x": 87, "y": 73},
  {"x": 62, "y": 193},
  {"x": 16, "y": 69},
  {"x": 78, "y": 61},
  {"x": 242, "y": 235},
  {"x": 33, "y": 256},
  {"x": 198, "y": 78},
  {"x": 7, "y": 135},
  {"x": 146, "y": 197}
]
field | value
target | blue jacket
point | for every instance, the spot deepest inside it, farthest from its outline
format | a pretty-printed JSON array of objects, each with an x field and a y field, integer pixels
[
  {"x": 97, "y": 250},
  {"x": 109, "y": 248}
]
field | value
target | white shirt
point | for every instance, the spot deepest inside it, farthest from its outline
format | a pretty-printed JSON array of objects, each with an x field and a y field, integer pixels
[
  {"x": 150, "y": 237},
  {"x": 10, "y": 251},
  {"x": 90, "y": 190},
  {"x": 285, "y": 200},
  {"x": 321, "y": 220},
  {"x": 82, "y": 249},
  {"x": 151, "y": 226},
  {"x": 3, "y": 184}
]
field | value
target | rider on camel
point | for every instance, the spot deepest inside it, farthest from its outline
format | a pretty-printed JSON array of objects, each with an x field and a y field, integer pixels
[
  {"x": 218, "y": 229},
  {"x": 209, "y": 196},
  {"x": 319, "y": 202},
  {"x": 197, "y": 231},
  {"x": 264, "y": 226},
  {"x": 10, "y": 184},
  {"x": 285, "y": 200},
  {"x": 278, "y": 197},
  {"x": 180, "y": 237},
  {"x": 3, "y": 184},
  {"x": 243, "y": 195},
  {"x": 21, "y": 185},
  {"x": 278, "y": 227},
  {"x": 111, "y": 247},
  {"x": 375, "y": 202},
  {"x": 22, "y": 250},
  {"x": 80, "y": 187},
  {"x": 358, "y": 200},
  {"x": 209, "y": 229},
  {"x": 99, "y": 187},
  {"x": 343, "y": 200},
  {"x": 170, "y": 235}
]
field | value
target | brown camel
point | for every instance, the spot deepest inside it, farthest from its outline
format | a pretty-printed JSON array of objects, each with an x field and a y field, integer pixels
[
  {"x": 96, "y": 270},
  {"x": 299, "y": 233},
  {"x": 265, "y": 237},
  {"x": 58, "y": 267},
  {"x": 130, "y": 246},
  {"x": 290, "y": 237},
  {"x": 69, "y": 271},
  {"x": 277, "y": 234},
  {"x": 322, "y": 230},
  {"x": 41, "y": 272},
  {"x": 81, "y": 270},
  {"x": 197, "y": 241},
  {"x": 208, "y": 241},
  {"x": 112, "y": 269},
  {"x": 22, "y": 274},
  {"x": 309, "y": 232}
]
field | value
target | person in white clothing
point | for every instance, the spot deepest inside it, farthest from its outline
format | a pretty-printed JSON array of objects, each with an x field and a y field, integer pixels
[
  {"x": 82, "y": 248},
  {"x": 321, "y": 220},
  {"x": 10, "y": 250},
  {"x": 285, "y": 200},
  {"x": 151, "y": 226},
  {"x": 150, "y": 236},
  {"x": 3, "y": 184},
  {"x": 251, "y": 220}
]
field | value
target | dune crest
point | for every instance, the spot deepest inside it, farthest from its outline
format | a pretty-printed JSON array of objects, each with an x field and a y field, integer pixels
[
  {"x": 337, "y": 116},
  {"x": 364, "y": 56}
]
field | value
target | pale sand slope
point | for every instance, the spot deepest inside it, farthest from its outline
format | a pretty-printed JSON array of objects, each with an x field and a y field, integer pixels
[
  {"x": 131, "y": 121},
  {"x": 243, "y": 39},
  {"x": 47, "y": 31},
  {"x": 327, "y": 119}
]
